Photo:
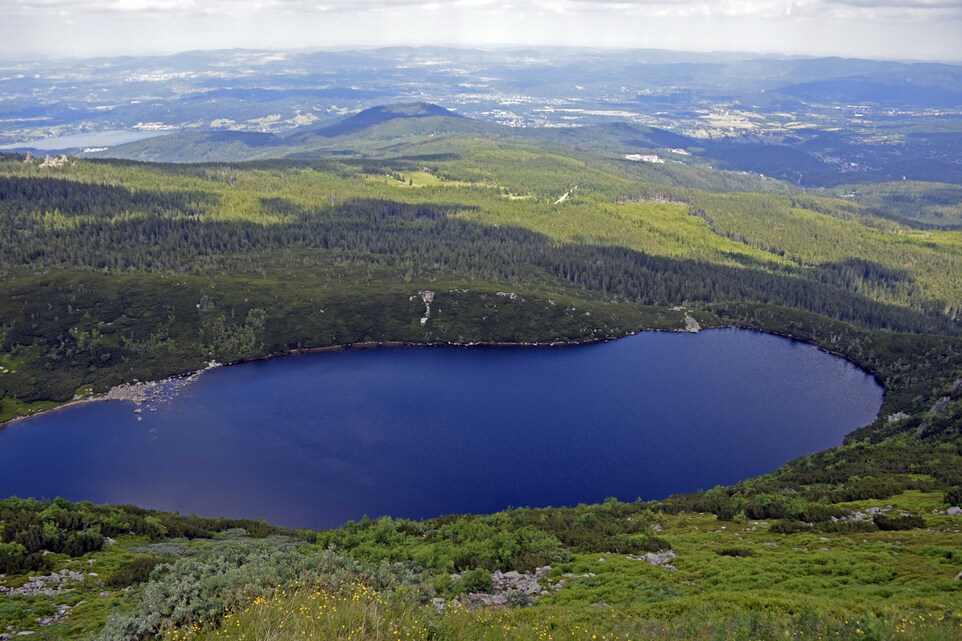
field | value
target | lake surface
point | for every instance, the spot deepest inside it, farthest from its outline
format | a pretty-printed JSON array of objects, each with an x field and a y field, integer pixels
[
  {"x": 314, "y": 440},
  {"x": 107, "y": 138}
]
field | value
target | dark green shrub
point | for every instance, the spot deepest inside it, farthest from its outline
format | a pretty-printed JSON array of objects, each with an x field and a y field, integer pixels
[
  {"x": 11, "y": 557},
  {"x": 847, "y": 526},
  {"x": 908, "y": 522},
  {"x": 953, "y": 496},
  {"x": 476, "y": 580},
  {"x": 80, "y": 543},
  {"x": 766, "y": 506},
  {"x": 137, "y": 571},
  {"x": 734, "y": 551},
  {"x": 14, "y": 559},
  {"x": 820, "y": 513}
]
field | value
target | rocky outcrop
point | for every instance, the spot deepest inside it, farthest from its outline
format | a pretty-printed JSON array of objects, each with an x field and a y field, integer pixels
[
  {"x": 54, "y": 161},
  {"x": 870, "y": 512},
  {"x": 427, "y": 297},
  {"x": 955, "y": 510},
  {"x": 661, "y": 559},
  {"x": 509, "y": 588}
]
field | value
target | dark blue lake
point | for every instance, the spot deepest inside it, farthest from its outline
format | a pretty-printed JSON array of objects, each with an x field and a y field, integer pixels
[{"x": 315, "y": 440}]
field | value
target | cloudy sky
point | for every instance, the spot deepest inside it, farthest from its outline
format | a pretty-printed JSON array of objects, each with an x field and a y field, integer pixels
[{"x": 896, "y": 29}]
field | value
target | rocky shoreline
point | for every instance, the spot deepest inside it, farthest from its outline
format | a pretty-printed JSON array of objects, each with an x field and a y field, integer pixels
[{"x": 140, "y": 393}]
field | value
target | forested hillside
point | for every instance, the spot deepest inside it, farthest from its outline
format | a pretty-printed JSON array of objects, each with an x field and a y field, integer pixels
[{"x": 118, "y": 270}]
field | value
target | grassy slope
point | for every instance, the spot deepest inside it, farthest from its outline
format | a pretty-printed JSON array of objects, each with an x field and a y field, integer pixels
[{"x": 735, "y": 580}]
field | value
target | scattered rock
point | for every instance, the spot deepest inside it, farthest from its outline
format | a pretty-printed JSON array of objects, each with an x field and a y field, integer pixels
[
  {"x": 955, "y": 510},
  {"x": 48, "y": 585},
  {"x": 868, "y": 513},
  {"x": 59, "y": 615}
]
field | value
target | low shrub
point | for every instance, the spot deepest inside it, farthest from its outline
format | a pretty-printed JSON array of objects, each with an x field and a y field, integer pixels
[
  {"x": 137, "y": 571},
  {"x": 903, "y": 522},
  {"x": 847, "y": 526},
  {"x": 204, "y": 588},
  {"x": 789, "y": 526},
  {"x": 735, "y": 551},
  {"x": 953, "y": 496},
  {"x": 476, "y": 580}
]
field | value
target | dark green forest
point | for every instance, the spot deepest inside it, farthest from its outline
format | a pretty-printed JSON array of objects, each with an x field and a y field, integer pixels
[{"x": 116, "y": 271}]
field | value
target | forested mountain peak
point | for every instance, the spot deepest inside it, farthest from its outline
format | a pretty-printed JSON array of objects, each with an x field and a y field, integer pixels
[{"x": 378, "y": 115}]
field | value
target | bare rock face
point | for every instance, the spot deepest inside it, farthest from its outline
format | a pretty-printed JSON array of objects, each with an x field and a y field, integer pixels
[{"x": 691, "y": 325}]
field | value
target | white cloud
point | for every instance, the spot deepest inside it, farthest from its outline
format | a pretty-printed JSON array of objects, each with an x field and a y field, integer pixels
[
  {"x": 680, "y": 8},
  {"x": 876, "y": 28}
]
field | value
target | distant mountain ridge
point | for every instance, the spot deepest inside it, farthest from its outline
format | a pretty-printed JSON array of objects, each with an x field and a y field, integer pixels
[
  {"x": 383, "y": 122},
  {"x": 400, "y": 129}
]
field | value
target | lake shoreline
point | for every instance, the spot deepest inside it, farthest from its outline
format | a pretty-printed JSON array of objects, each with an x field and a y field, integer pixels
[
  {"x": 117, "y": 393},
  {"x": 310, "y": 427}
]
